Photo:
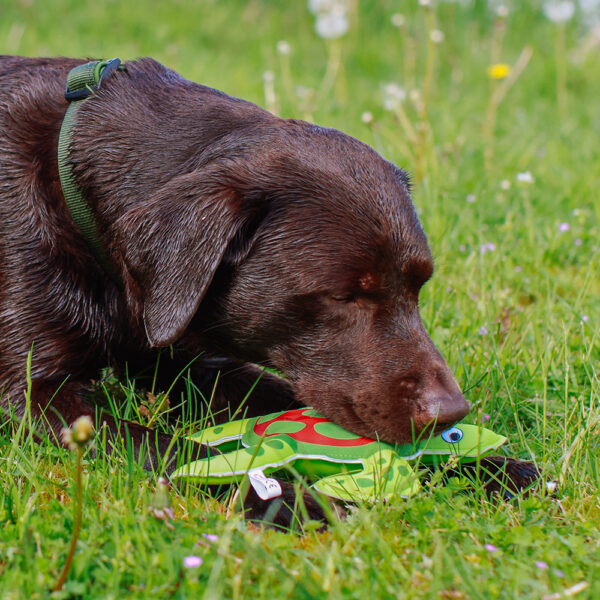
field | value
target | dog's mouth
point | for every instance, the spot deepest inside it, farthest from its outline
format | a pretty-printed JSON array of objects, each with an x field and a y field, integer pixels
[
  {"x": 342, "y": 413},
  {"x": 347, "y": 416},
  {"x": 349, "y": 419},
  {"x": 375, "y": 424}
]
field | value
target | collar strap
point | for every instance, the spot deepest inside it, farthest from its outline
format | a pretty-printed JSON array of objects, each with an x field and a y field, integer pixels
[{"x": 83, "y": 81}]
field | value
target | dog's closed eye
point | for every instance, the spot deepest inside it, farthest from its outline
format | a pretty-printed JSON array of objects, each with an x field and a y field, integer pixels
[{"x": 342, "y": 297}]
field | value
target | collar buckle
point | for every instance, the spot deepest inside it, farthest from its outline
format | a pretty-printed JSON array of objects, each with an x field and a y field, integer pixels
[{"x": 84, "y": 80}]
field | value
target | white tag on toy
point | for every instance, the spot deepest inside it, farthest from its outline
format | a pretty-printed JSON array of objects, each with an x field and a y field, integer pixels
[{"x": 265, "y": 487}]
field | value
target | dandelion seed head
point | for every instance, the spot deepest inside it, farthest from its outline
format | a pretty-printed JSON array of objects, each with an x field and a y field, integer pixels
[
  {"x": 327, "y": 6},
  {"x": 398, "y": 20},
  {"x": 366, "y": 117},
  {"x": 590, "y": 10},
  {"x": 505, "y": 184},
  {"x": 332, "y": 17},
  {"x": 303, "y": 92},
  {"x": 589, "y": 5},
  {"x": 559, "y": 12},
  {"x": 436, "y": 36},
  {"x": 393, "y": 96},
  {"x": 284, "y": 48},
  {"x": 330, "y": 26},
  {"x": 317, "y": 6},
  {"x": 471, "y": 198},
  {"x": 502, "y": 11},
  {"x": 525, "y": 177}
]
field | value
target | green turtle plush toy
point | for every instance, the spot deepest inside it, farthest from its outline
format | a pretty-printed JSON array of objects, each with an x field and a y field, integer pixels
[{"x": 339, "y": 464}]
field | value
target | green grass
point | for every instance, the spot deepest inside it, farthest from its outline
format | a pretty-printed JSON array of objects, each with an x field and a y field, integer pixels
[{"x": 535, "y": 371}]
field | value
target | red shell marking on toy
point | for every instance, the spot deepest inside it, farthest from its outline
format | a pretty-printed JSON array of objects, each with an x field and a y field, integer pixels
[{"x": 308, "y": 434}]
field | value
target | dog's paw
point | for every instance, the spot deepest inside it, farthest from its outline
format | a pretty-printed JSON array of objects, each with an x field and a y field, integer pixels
[
  {"x": 290, "y": 511},
  {"x": 503, "y": 477}
]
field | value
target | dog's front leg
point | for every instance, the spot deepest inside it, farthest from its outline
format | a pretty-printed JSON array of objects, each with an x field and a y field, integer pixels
[
  {"x": 244, "y": 389},
  {"x": 52, "y": 407},
  {"x": 501, "y": 476}
]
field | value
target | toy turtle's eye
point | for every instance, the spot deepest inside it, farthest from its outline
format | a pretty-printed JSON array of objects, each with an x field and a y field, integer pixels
[{"x": 452, "y": 435}]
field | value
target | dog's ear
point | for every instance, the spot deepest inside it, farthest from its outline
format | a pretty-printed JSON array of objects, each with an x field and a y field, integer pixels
[{"x": 174, "y": 243}]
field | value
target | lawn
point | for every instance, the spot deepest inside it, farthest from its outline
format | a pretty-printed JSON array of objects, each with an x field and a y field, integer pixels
[{"x": 494, "y": 112}]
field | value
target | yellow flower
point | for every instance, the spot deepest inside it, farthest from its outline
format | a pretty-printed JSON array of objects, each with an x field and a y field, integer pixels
[{"x": 498, "y": 71}]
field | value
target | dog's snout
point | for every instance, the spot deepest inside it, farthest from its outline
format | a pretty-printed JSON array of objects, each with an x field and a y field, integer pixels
[
  {"x": 441, "y": 404},
  {"x": 443, "y": 410}
]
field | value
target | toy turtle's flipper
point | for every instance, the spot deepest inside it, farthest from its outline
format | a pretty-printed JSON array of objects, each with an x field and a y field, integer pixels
[
  {"x": 385, "y": 475},
  {"x": 221, "y": 434},
  {"x": 466, "y": 442},
  {"x": 270, "y": 455}
]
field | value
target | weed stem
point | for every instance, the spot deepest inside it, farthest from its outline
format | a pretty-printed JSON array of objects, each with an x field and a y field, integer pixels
[
  {"x": 561, "y": 70},
  {"x": 77, "y": 528}
]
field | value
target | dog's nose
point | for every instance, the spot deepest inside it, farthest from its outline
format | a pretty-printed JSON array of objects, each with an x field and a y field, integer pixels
[
  {"x": 441, "y": 406},
  {"x": 444, "y": 411}
]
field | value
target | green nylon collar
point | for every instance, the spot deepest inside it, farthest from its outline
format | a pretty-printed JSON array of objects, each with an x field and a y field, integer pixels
[{"x": 82, "y": 82}]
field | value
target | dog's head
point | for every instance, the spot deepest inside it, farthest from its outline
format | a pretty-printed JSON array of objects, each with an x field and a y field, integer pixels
[{"x": 301, "y": 251}]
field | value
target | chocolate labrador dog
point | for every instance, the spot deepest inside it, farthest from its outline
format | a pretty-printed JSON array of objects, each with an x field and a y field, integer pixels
[{"x": 236, "y": 236}]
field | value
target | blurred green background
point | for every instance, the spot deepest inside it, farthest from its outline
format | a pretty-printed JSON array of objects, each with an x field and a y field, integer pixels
[{"x": 231, "y": 44}]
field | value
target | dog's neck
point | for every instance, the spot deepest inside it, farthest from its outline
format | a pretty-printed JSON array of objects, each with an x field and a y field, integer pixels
[{"x": 82, "y": 82}]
